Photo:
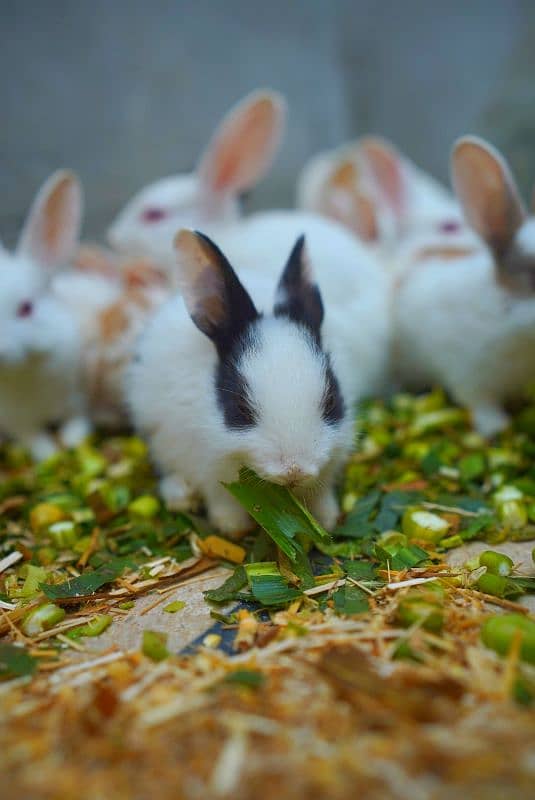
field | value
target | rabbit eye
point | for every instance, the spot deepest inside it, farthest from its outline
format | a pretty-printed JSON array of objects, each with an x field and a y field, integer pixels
[
  {"x": 153, "y": 214},
  {"x": 25, "y": 309},
  {"x": 449, "y": 226}
]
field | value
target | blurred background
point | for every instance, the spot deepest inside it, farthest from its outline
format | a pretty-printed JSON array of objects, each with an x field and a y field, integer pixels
[{"x": 126, "y": 91}]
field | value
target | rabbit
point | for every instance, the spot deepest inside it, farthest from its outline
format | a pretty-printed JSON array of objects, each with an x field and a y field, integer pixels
[
  {"x": 247, "y": 368},
  {"x": 386, "y": 200},
  {"x": 42, "y": 318},
  {"x": 468, "y": 322},
  {"x": 238, "y": 155}
]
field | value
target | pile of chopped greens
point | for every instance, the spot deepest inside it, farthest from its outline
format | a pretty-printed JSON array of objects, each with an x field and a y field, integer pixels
[{"x": 84, "y": 534}]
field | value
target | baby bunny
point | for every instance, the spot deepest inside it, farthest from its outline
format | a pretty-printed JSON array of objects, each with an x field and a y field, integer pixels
[
  {"x": 250, "y": 370},
  {"x": 468, "y": 321},
  {"x": 40, "y": 333},
  {"x": 237, "y": 157},
  {"x": 385, "y": 199}
]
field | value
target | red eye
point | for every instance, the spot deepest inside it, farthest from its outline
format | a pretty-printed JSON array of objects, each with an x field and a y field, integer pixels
[
  {"x": 153, "y": 215},
  {"x": 450, "y": 226},
  {"x": 25, "y": 309}
]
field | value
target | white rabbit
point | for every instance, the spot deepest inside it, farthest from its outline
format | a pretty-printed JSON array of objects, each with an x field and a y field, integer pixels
[
  {"x": 385, "y": 199},
  {"x": 42, "y": 317},
  {"x": 469, "y": 322},
  {"x": 238, "y": 155},
  {"x": 254, "y": 377}
]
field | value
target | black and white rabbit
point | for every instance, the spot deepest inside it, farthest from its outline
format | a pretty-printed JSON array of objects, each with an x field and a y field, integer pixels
[{"x": 252, "y": 370}]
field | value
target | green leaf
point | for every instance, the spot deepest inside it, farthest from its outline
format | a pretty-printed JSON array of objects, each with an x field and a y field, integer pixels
[
  {"x": 172, "y": 608},
  {"x": 15, "y": 661},
  {"x": 245, "y": 677},
  {"x": 409, "y": 556},
  {"x": 392, "y": 507},
  {"x": 88, "y": 583},
  {"x": 360, "y": 570},
  {"x": 268, "y": 586},
  {"x": 229, "y": 589},
  {"x": 350, "y": 600},
  {"x": 277, "y": 511}
]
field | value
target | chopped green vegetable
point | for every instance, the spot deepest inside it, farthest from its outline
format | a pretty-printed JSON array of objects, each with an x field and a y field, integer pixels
[
  {"x": 245, "y": 677},
  {"x": 145, "y": 506},
  {"x": 42, "y": 619},
  {"x": 176, "y": 605},
  {"x": 423, "y": 525},
  {"x": 154, "y": 645},
  {"x": 496, "y": 563},
  {"x": 492, "y": 584},
  {"x": 15, "y": 661},
  {"x": 88, "y": 583},
  {"x": 94, "y": 627},
  {"x": 500, "y": 632},
  {"x": 229, "y": 589},
  {"x": 268, "y": 586},
  {"x": 350, "y": 600}
]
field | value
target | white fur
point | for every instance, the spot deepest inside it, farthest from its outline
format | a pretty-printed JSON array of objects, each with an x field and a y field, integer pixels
[
  {"x": 457, "y": 326},
  {"x": 41, "y": 353},
  {"x": 171, "y": 389}
]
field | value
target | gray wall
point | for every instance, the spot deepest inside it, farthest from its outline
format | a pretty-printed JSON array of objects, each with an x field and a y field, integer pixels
[{"x": 125, "y": 91}]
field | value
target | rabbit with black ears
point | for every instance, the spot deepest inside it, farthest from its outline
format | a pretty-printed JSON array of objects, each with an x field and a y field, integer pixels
[
  {"x": 43, "y": 316},
  {"x": 253, "y": 370},
  {"x": 469, "y": 322}
]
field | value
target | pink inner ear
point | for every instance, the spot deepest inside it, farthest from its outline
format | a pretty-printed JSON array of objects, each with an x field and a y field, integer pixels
[{"x": 387, "y": 171}]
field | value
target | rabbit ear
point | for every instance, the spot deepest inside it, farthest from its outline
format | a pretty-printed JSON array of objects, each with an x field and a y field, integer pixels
[
  {"x": 244, "y": 145},
  {"x": 341, "y": 199},
  {"x": 487, "y": 192},
  {"x": 298, "y": 296},
  {"x": 386, "y": 169},
  {"x": 216, "y": 301},
  {"x": 51, "y": 232}
]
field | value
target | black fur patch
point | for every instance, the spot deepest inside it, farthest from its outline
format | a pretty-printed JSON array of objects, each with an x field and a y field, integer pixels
[
  {"x": 332, "y": 410},
  {"x": 299, "y": 300},
  {"x": 232, "y": 391}
]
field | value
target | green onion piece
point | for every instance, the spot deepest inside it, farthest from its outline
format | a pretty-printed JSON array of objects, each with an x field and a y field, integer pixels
[
  {"x": 420, "y": 524},
  {"x": 42, "y": 619},
  {"x": 451, "y": 541},
  {"x": 499, "y": 633},
  {"x": 416, "y": 610},
  {"x": 46, "y": 555},
  {"x": 513, "y": 514},
  {"x": 146, "y": 506},
  {"x": 437, "y": 420},
  {"x": 496, "y": 563},
  {"x": 245, "y": 677},
  {"x": 172, "y": 608},
  {"x": 63, "y": 534},
  {"x": 127, "y": 605},
  {"x": 34, "y": 576},
  {"x": 94, "y": 627},
  {"x": 492, "y": 584},
  {"x": 44, "y": 514},
  {"x": 154, "y": 645}
]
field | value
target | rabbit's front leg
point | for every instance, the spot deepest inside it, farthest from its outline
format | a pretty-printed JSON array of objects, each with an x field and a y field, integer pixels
[
  {"x": 324, "y": 506},
  {"x": 489, "y": 419},
  {"x": 225, "y": 513},
  {"x": 74, "y": 431}
]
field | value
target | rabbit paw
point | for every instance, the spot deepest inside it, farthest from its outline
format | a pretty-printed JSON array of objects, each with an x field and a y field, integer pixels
[
  {"x": 41, "y": 446},
  {"x": 227, "y": 515},
  {"x": 74, "y": 431},
  {"x": 325, "y": 508},
  {"x": 489, "y": 420},
  {"x": 177, "y": 494}
]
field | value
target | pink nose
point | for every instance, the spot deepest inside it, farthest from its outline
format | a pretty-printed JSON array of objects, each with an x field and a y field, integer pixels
[{"x": 294, "y": 475}]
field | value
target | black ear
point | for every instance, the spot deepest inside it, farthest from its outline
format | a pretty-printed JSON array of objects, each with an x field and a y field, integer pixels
[
  {"x": 217, "y": 302},
  {"x": 298, "y": 297}
]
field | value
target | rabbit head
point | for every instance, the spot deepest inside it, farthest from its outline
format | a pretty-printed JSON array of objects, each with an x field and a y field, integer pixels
[
  {"x": 238, "y": 155},
  {"x": 276, "y": 392},
  {"x": 47, "y": 242}
]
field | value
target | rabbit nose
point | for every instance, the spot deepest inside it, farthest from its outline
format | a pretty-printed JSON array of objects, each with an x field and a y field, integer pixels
[{"x": 294, "y": 475}]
